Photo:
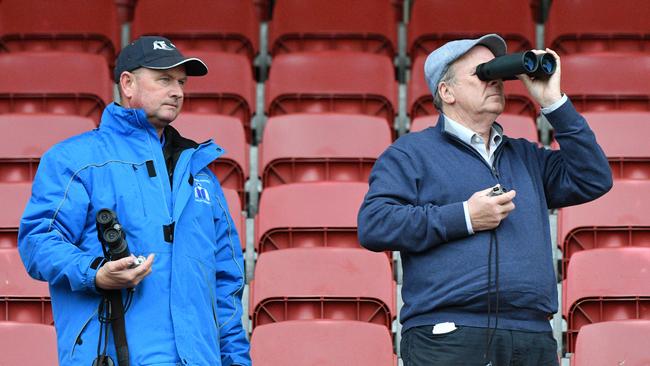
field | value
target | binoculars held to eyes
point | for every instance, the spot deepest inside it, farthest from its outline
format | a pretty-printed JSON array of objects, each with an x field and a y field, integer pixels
[{"x": 506, "y": 67}]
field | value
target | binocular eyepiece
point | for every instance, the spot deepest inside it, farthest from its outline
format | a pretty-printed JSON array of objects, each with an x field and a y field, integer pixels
[
  {"x": 506, "y": 67},
  {"x": 111, "y": 235}
]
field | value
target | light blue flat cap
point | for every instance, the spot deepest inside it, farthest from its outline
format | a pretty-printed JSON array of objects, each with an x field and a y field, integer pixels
[{"x": 439, "y": 60}]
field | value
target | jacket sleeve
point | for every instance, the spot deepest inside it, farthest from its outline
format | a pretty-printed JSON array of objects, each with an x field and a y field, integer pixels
[
  {"x": 230, "y": 286},
  {"x": 579, "y": 171},
  {"x": 391, "y": 218},
  {"x": 52, "y": 225}
]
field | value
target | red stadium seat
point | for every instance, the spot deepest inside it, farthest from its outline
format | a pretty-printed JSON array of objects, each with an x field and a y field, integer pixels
[
  {"x": 607, "y": 81},
  {"x": 337, "y": 81},
  {"x": 302, "y": 215},
  {"x": 14, "y": 280},
  {"x": 227, "y": 132},
  {"x": 321, "y": 147},
  {"x": 420, "y": 99},
  {"x": 618, "y": 219},
  {"x": 513, "y": 125},
  {"x": 14, "y": 198},
  {"x": 319, "y": 25},
  {"x": 27, "y": 344},
  {"x": 322, "y": 283},
  {"x": 228, "y": 88},
  {"x": 208, "y": 25},
  {"x": 19, "y": 155},
  {"x": 54, "y": 82},
  {"x": 60, "y": 25},
  {"x": 606, "y": 284},
  {"x": 621, "y": 134},
  {"x": 22, "y": 298},
  {"x": 575, "y": 26},
  {"x": 613, "y": 343},
  {"x": 436, "y": 22},
  {"x": 323, "y": 343},
  {"x": 235, "y": 208}
]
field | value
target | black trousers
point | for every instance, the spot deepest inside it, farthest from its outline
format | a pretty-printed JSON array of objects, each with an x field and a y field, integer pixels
[{"x": 467, "y": 345}]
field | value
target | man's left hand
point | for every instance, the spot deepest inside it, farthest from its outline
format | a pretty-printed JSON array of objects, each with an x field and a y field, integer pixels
[{"x": 545, "y": 92}]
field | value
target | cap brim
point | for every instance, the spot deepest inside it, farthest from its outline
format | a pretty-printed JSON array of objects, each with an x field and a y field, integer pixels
[
  {"x": 495, "y": 43},
  {"x": 193, "y": 65}
]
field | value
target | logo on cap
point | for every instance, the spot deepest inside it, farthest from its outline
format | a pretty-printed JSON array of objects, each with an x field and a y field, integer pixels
[{"x": 161, "y": 45}]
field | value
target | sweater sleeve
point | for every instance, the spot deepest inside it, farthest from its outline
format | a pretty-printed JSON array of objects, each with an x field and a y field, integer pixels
[
  {"x": 391, "y": 218},
  {"x": 579, "y": 171}
]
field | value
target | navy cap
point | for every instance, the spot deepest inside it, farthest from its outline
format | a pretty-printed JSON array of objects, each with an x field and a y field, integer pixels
[
  {"x": 158, "y": 53},
  {"x": 439, "y": 60}
]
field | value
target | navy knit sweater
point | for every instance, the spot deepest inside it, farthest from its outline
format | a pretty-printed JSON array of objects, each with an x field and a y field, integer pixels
[{"x": 414, "y": 205}]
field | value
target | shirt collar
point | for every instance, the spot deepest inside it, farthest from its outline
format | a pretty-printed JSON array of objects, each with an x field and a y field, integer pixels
[{"x": 470, "y": 137}]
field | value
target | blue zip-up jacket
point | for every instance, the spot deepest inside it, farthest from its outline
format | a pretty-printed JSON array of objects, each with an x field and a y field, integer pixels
[
  {"x": 188, "y": 310},
  {"x": 415, "y": 205}
]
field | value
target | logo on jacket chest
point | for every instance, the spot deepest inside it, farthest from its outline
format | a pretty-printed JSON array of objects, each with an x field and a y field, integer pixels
[{"x": 201, "y": 194}]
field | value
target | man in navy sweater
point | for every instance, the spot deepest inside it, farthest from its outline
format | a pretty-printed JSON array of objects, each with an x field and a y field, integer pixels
[{"x": 478, "y": 283}]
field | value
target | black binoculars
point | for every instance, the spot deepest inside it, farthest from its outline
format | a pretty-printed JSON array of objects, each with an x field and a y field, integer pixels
[
  {"x": 506, "y": 67},
  {"x": 110, "y": 234}
]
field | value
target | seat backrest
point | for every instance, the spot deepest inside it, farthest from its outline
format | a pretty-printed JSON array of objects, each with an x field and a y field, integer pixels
[
  {"x": 336, "y": 81},
  {"x": 575, "y": 26},
  {"x": 607, "y": 81},
  {"x": 23, "y": 141},
  {"x": 321, "y": 147},
  {"x": 15, "y": 280},
  {"x": 317, "y": 25},
  {"x": 420, "y": 99},
  {"x": 606, "y": 284},
  {"x": 228, "y": 88},
  {"x": 209, "y": 25},
  {"x": 617, "y": 219},
  {"x": 322, "y": 342},
  {"x": 60, "y": 25},
  {"x": 54, "y": 82},
  {"x": 515, "y": 126},
  {"x": 319, "y": 214},
  {"x": 436, "y": 22},
  {"x": 14, "y": 197},
  {"x": 20, "y": 340},
  {"x": 613, "y": 343},
  {"x": 322, "y": 283},
  {"x": 232, "y": 167},
  {"x": 621, "y": 135}
]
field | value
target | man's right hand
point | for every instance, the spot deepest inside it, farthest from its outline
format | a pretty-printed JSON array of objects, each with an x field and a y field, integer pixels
[
  {"x": 121, "y": 274},
  {"x": 486, "y": 212}
]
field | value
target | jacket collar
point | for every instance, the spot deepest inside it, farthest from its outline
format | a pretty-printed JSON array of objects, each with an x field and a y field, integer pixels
[{"x": 127, "y": 122}]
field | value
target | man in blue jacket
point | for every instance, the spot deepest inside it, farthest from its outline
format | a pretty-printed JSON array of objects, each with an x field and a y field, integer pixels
[
  {"x": 478, "y": 282},
  {"x": 186, "y": 303}
]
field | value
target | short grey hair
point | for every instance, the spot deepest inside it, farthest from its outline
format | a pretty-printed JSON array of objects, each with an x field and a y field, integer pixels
[{"x": 447, "y": 77}]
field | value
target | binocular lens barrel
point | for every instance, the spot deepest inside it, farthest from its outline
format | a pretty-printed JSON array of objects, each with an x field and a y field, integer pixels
[
  {"x": 118, "y": 247},
  {"x": 546, "y": 67},
  {"x": 105, "y": 217},
  {"x": 507, "y": 67}
]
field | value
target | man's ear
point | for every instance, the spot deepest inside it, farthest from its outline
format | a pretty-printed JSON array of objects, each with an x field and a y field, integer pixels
[
  {"x": 127, "y": 84},
  {"x": 446, "y": 93}
]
